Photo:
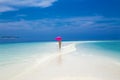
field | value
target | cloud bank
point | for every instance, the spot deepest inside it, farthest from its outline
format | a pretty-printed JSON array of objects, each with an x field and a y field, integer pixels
[
  {"x": 75, "y": 24},
  {"x": 89, "y": 27},
  {"x": 10, "y": 5}
]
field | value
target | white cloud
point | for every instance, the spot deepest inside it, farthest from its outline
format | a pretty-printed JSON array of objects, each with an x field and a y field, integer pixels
[
  {"x": 9, "y": 5},
  {"x": 6, "y": 8}
]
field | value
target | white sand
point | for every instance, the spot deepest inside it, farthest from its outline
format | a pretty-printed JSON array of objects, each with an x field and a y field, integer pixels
[{"x": 64, "y": 66}]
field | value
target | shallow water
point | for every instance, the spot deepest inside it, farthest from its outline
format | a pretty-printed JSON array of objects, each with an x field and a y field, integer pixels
[
  {"x": 10, "y": 53},
  {"x": 103, "y": 48}
]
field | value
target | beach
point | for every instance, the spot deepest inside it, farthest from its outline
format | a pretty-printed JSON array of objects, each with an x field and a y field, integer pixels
[{"x": 76, "y": 61}]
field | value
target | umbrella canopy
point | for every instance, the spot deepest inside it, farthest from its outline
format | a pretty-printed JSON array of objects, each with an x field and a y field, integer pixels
[{"x": 59, "y": 38}]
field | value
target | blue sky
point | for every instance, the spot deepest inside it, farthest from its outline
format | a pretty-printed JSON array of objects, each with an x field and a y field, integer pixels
[{"x": 43, "y": 20}]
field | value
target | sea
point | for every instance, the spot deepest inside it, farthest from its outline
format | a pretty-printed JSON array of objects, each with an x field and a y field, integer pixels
[{"x": 11, "y": 53}]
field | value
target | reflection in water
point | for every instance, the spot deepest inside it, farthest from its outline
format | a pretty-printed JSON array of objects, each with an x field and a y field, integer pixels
[
  {"x": 64, "y": 50},
  {"x": 59, "y": 58}
]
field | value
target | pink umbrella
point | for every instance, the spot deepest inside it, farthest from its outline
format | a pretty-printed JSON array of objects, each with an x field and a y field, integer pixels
[{"x": 58, "y": 38}]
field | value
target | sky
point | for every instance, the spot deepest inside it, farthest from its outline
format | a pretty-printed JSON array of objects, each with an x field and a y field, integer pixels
[{"x": 43, "y": 20}]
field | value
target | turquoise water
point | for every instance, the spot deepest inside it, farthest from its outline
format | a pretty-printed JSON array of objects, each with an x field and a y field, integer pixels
[
  {"x": 102, "y": 48},
  {"x": 17, "y": 52}
]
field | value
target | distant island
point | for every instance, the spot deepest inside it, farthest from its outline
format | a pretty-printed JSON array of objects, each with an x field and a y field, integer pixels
[{"x": 9, "y": 37}]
